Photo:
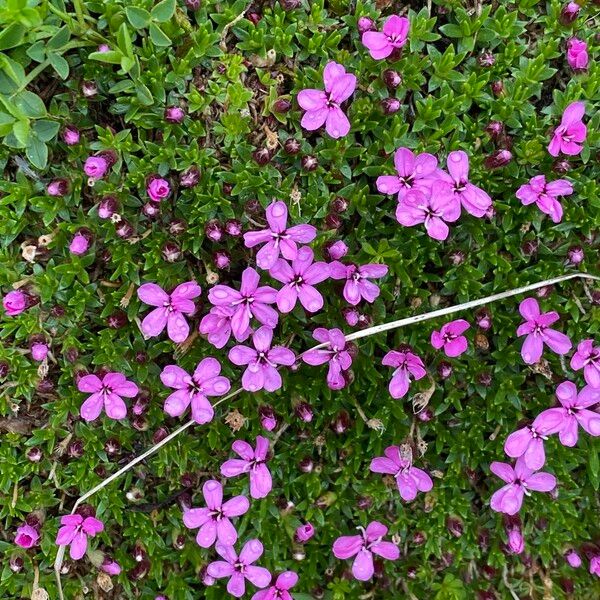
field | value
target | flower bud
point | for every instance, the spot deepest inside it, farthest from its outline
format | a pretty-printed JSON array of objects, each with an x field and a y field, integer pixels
[
  {"x": 107, "y": 207},
  {"x": 174, "y": 114},
  {"x": 309, "y": 162},
  {"x": 261, "y": 156},
  {"x": 530, "y": 247},
  {"x": 498, "y": 159},
  {"x": 151, "y": 210},
  {"x": 335, "y": 250},
  {"x": 341, "y": 423},
  {"x": 291, "y": 146},
  {"x": 70, "y": 135},
  {"x": 117, "y": 320},
  {"x": 561, "y": 166},
  {"x": 75, "y": 449},
  {"x": 304, "y": 533},
  {"x": 253, "y": 207},
  {"x": 497, "y": 88},
  {"x": 221, "y": 259},
  {"x": 58, "y": 187},
  {"x": 140, "y": 423},
  {"x": 304, "y": 411},
  {"x": 454, "y": 526},
  {"x": 34, "y": 454},
  {"x": 281, "y": 105},
  {"x": 389, "y": 106},
  {"x": 483, "y": 318},
  {"x": 80, "y": 243},
  {"x": 16, "y": 563},
  {"x": 339, "y": 205},
  {"x": 254, "y": 17},
  {"x": 124, "y": 229},
  {"x": 171, "y": 252},
  {"x": 140, "y": 570},
  {"x": 569, "y": 13},
  {"x": 206, "y": 578},
  {"x": 233, "y": 227},
  {"x": 444, "y": 369},
  {"x": 289, "y": 4},
  {"x": 495, "y": 129},
  {"x": 333, "y": 221},
  {"x": 365, "y": 24},
  {"x": 425, "y": 415},
  {"x": 575, "y": 255},
  {"x": 45, "y": 386},
  {"x": 516, "y": 543},
  {"x": 112, "y": 447},
  {"x": 572, "y": 558},
  {"x": 192, "y": 5},
  {"x": 103, "y": 48},
  {"x": 159, "y": 435},
  {"x": 158, "y": 189},
  {"x": 351, "y": 315},
  {"x": 268, "y": 419},
  {"x": 89, "y": 89},
  {"x": 486, "y": 59},
  {"x": 213, "y": 231},
  {"x": 365, "y": 320},
  {"x": 190, "y": 177},
  {"x": 306, "y": 465},
  {"x": 392, "y": 79}
]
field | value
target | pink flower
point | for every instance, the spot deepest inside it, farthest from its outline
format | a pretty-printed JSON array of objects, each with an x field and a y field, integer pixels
[
  {"x": 27, "y": 536},
  {"x": 545, "y": 195},
  {"x": 39, "y": 351},
  {"x": 406, "y": 364},
  {"x": 279, "y": 591},
  {"x": 174, "y": 114},
  {"x": 70, "y": 135},
  {"x": 573, "y": 558},
  {"x": 96, "y": 167},
  {"x": 194, "y": 389},
  {"x": 569, "y": 136},
  {"x": 300, "y": 279},
  {"x": 110, "y": 566},
  {"x": 409, "y": 479},
  {"x": 216, "y": 325},
  {"x": 394, "y": 35},
  {"x": 58, "y": 187},
  {"x": 528, "y": 442},
  {"x": 278, "y": 238},
  {"x": 14, "y": 303},
  {"x": 536, "y": 328},
  {"x": 250, "y": 301},
  {"x": 75, "y": 531},
  {"x": 573, "y": 412},
  {"x": 363, "y": 547},
  {"x": 595, "y": 565},
  {"x": 412, "y": 172},
  {"x": 79, "y": 244},
  {"x": 516, "y": 542},
  {"x": 577, "y": 54},
  {"x": 450, "y": 338},
  {"x": 335, "y": 354},
  {"x": 587, "y": 358},
  {"x": 337, "y": 250},
  {"x": 430, "y": 208},
  {"x": 262, "y": 361},
  {"x": 520, "y": 481},
  {"x": 239, "y": 568},
  {"x": 323, "y": 107},
  {"x": 106, "y": 392},
  {"x": 253, "y": 463},
  {"x": 213, "y": 520},
  {"x": 170, "y": 311},
  {"x": 304, "y": 532},
  {"x": 458, "y": 187},
  {"x": 357, "y": 280},
  {"x": 158, "y": 189}
]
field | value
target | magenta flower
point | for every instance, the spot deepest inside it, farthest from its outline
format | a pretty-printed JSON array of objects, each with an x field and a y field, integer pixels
[
  {"x": 216, "y": 325},
  {"x": 158, "y": 189},
  {"x": 573, "y": 412},
  {"x": 573, "y": 559},
  {"x": 27, "y": 536},
  {"x": 520, "y": 481},
  {"x": 304, "y": 533},
  {"x": 413, "y": 172},
  {"x": 528, "y": 441},
  {"x": 71, "y": 135},
  {"x": 569, "y": 136},
  {"x": 335, "y": 354},
  {"x": 106, "y": 392},
  {"x": 39, "y": 351},
  {"x": 213, "y": 520},
  {"x": 357, "y": 280},
  {"x": 409, "y": 479},
  {"x": 545, "y": 195},
  {"x": 195, "y": 389},
  {"x": 363, "y": 547},
  {"x": 595, "y": 565},
  {"x": 323, "y": 107},
  {"x": 110, "y": 566},
  {"x": 430, "y": 208},
  {"x": 278, "y": 238},
  {"x": 280, "y": 591},
  {"x": 170, "y": 311},
  {"x": 300, "y": 278},
  {"x": 405, "y": 364},
  {"x": 262, "y": 361},
  {"x": 79, "y": 244},
  {"x": 75, "y": 531},
  {"x": 96, "y": 167},
  {"x": 577, "y": 54},
  {"x": 14, "y": 303},
  {"x": 250, "y": 301},
  {"x": 253, "y": 463},
  {"x": 587, "y": 358},
  {"x": 456, "y": 185},
  {"x": 536, "y": 328},
  {"x": 450, "y": 338},
  {"x": 394, "y": 35},
  {"x": 239, "y": 568}
]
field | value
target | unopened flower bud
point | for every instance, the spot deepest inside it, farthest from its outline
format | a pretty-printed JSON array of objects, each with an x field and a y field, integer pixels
[
  {"x": 174, "y": 114},
  {"x": 221, "y": 259},
  {"x": 389, "y": 106},
  {"x": 213, "y": 231},
  {"x": 124, "y": 229},
  {"x": 486, "y": 59},
  {"x": 497, "y": 88},
  {"x": 309, "y": 162},
  {"x": 268, "y": 419},
  {"x": 281, "y": 105},
  {"x": 392, "y": 79},
  {"x": 291, "y": 146},
  {"x": 304, "y": 411},
  {"x": 34, "y": 454},
  {"x": 89, "y": 89},
  {"x": 569, "y": 13},
  {"x": 261, "y": 156},
  {"x": 304, "y": 533},
  {"x": 365, "y": 24},
  {"x": 573, "y": 559},
  {"x": 71, "y": 135},
  {"x": 444, "y": 369},
  {"x": 171, "y": 252},
  {"x": 498, "y": 159},
  {"x": 575, "y": 255},
  {"x": 58, "y": 187},
  {"x": 233, "y": 227},
  {"x": 190, "y": 177},
  {"x": 306, "y": 465},
  {"x": 107, "y": 207}
]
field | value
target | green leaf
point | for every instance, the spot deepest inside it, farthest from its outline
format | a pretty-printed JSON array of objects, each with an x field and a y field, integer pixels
[
  {"x": 113, "y": 57},
  {"x": 6, "y": 123},
  {"x": 138, "y": 17},
  {"x": 124, "y": 40},
  {"x": 31, "y": 104},
  {"x": 158, "y": 37},
  {"x": 60, "y": 65},
  {"x": 21, "y": 131},
  {"x": 163, "y": 11},
  {"x": 12, "y": 36},
  {"x": 59, "y": 39},
  {"x": 45, "y": 130},
  {"x": 37, "y": 152}
]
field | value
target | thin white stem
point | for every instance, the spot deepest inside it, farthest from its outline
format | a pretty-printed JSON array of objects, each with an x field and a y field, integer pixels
[{"x": 352, "y": 336}]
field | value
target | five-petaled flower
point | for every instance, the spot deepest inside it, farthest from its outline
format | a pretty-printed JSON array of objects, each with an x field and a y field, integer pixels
[
  {"x": 280, "y": 590},
  {"x": 27, "y": 536},
  {"x": 394, "y": 35},
  {"x": 405, "y": 364},
  {"x": 262, "y": 361},
  {"x": 300, "y": 278},
  {"x": 239, "y": 568},
  {"x": 587, "y": 357},
  {"x": 538, "y": 332},
  {"x": 574, "y": 411},
  {"x": 545, "y": 195},
  {"x": 569, "y": 136},
  {"x": 75, "y": 531},
  {"x": 363, "y": 546},
  {"x": 357, "y": 277},
  {"x": 577, "y": 54},
  {"x": 409, "y": 479},
  {"x": 278, "y": 238},
  {"x": 194, "y": 389},
  {"x": 451, "y": 338},
  {"x": 253, "y": 463},
  {"x": 335, "y": 353},
  {"x": 214, "y": 520},
  {"x": 171, "y": 309},
  {"x": 520, "y": 480},
  {"x": 106, "y": 392},
  {"x": 216, "y": 325},
  {"x": 323, "y": 107},
  {"x": 250, "y": 301}
]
